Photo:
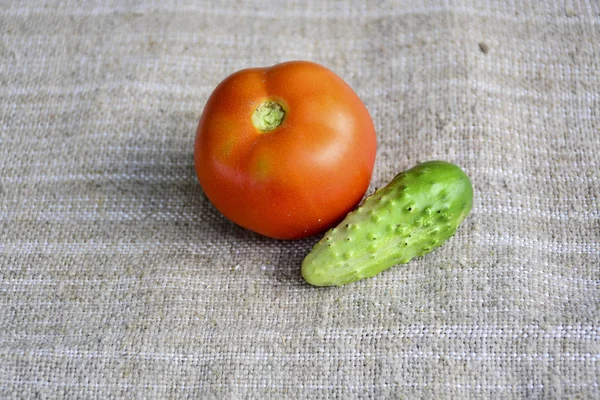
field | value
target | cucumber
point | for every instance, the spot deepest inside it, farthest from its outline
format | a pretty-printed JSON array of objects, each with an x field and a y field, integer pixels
[{"x": 415, "y": 213}]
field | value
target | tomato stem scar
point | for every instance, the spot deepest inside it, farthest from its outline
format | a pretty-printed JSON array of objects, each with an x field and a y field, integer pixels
[{"x": 268, "y": 116}]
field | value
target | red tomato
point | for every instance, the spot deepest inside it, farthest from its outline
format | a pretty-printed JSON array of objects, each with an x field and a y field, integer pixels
[{"x": 285, "y": 151}]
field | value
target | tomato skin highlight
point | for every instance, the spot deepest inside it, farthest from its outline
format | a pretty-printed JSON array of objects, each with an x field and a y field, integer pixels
[{"x": 303, "y": 176}]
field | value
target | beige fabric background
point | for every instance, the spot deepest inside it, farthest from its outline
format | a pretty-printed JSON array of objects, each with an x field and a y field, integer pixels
[{"x": 119, "y": 280}]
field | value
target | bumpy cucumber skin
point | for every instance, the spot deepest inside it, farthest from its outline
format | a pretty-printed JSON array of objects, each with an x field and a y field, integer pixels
[{"x": 415, "y": 213}]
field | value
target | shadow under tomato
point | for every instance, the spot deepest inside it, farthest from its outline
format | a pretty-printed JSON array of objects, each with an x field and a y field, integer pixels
[{"x": 176, "y": 210}]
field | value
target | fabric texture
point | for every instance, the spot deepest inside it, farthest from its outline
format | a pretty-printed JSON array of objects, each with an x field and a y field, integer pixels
[{"x": 119, "y": 279}]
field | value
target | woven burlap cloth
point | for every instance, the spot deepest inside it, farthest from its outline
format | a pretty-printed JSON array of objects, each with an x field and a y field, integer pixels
[{"x": 118, "y": 279}]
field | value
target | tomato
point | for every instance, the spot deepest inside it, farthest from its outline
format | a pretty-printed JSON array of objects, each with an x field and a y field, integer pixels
[{"x": 286, "y": 151}]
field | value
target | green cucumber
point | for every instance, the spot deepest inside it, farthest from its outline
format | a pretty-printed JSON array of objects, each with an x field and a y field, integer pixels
[{"x": 415, "y": 213}]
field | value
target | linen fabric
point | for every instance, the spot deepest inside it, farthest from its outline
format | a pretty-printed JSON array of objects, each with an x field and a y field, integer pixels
[{"x": 119, "y": 279}]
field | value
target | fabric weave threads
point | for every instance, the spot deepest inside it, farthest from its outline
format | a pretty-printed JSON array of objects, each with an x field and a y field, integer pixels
[{"x": 118, "y": 279}]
